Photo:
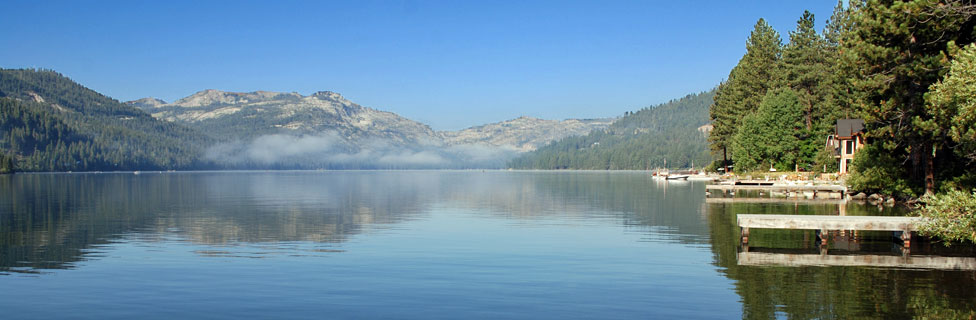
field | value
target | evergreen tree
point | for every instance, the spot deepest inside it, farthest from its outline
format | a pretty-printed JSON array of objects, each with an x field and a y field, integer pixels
[
  {"x": 952, "y": 111},
  {"x": 747, "y": 84},
  {"x": 808, "y": 69},
  {"x": 773, "y": 136},
  {"x": 6, "y": 164},
  {"x": 641, "y": 140},
  {"x": 896, "y": 51}
]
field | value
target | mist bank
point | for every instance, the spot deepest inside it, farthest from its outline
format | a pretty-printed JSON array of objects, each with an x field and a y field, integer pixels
[{"x": 328, "y": 150}]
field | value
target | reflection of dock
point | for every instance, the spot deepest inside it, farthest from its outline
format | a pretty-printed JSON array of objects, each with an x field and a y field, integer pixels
[
  {"x": 775, "y": 200},
  {"x": 905, "y": 225},
  {"x": 799, "y": 260}
]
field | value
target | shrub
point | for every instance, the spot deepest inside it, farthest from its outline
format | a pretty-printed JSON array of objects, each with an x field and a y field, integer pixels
[
  {"x": 877, "y": 170},
  {"x": 950, "y": 216}
]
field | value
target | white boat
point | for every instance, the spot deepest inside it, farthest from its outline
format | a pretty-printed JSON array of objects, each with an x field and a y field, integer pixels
[{"x": 677, "y": 177}]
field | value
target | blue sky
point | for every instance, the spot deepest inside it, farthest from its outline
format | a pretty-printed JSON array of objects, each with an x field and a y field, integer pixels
[{"x": 450, "y": 64}]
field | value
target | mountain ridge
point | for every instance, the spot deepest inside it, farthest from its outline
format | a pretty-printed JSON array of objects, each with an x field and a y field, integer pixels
[{"x": 209, "y": 109}]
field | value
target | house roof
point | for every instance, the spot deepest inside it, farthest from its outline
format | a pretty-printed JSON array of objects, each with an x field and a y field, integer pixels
[{"x": 848, "y": 127}]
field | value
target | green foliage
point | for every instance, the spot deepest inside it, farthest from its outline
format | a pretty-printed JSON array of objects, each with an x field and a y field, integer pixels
[
  {"x": 875, "y": 169},
  {"x": 748, "y": 82},
  {"x": 50, "y": 123},
  {"x": 6, "y": 164},
  {"x": 952, "y": 104},
  {"x": 806, "y": 65},
  {"x": 950, "y": 216},
  {"x": 771, "y": 136},
  {"x": 895, "y": 51},
  {"x": 825, "y": 162},
  {"x": 639, "y": 141}
]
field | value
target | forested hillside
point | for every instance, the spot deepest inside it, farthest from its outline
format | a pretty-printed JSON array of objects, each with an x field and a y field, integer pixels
[
  {"x": 640, "y": 140},
  {"x": 50, "y": 123}
]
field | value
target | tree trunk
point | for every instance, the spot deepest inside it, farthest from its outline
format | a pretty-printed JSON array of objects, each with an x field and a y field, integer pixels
[
  {"x": 923, "y": 165},
  {"x": 809, "y": 115},
  {"x": 725, "y": 159},
  {"x": 930, "y": 170}
]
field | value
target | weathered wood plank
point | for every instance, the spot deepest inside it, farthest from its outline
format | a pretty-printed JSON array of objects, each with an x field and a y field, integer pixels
[
  {"x": 831, "y": 188},
  {"x": 775, "y": 200},
  {"x": 821, "y": 222},
  {"x": 798, "y": 260}
]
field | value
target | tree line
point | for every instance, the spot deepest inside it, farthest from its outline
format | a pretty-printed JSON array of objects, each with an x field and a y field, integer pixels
[
  {"x": 660, "y": 136},
  {"x": 905, "y": 67},
  {"x": 50, "y": 123}
]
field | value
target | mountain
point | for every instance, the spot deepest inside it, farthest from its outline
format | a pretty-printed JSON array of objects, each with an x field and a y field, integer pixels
[
  {"x": 230, "y": 116},
  {"x": 524, "y": 133},
  {"x": 146, "y": 103},
  {"x": 674, "y": 132},
  {"x": 325, "y": 130},
  {"x": 51, "y": 123}
]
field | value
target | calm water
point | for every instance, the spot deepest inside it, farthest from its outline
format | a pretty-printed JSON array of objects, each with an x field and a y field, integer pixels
[{"x": 429, "y": 244}]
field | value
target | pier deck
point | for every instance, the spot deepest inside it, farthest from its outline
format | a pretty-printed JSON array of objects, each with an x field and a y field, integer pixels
[
  {"x": 905, "y": 225},
  {"x": 826, "y": 188}
]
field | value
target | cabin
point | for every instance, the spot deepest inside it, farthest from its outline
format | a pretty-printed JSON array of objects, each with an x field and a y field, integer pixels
[{"x": 847, "y": 139}]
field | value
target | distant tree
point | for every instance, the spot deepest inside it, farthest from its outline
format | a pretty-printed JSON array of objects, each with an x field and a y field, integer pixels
[
  {"x": 639, "y": 141},
  {"x": 6, "y": 164}
]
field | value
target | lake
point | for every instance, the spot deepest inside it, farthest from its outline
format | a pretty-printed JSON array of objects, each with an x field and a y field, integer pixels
[{"x": 434, "y": 244}]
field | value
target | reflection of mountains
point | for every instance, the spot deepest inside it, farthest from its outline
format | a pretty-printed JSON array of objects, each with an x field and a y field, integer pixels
[
  {"x": 50, "y": 221},
  {"x": 806, "y": 285}
]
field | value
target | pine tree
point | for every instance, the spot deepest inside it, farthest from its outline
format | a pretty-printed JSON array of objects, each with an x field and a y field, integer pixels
[
  {"x": 952, "y": 105},
  {"x": 6, "y": 164},
  {"x": 808, "y": 69},
  {"x": 896, "y": 50},
  {"x": 741, "y": 93},
  {"x": 773, "y": 136}
]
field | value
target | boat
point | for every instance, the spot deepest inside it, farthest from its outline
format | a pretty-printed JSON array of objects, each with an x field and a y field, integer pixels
[{"x": 677, "y": 177}]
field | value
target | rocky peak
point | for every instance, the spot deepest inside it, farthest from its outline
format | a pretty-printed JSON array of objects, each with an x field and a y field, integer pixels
[
  {"x": 328, "y": 95},
  {"x": 216, "y": 97},
  {"x": 146, "y": 103}
]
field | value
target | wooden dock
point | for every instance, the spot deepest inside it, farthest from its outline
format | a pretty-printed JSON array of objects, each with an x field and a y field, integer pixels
[
  {"x": 913, "y": 262},
  {"x": 905, "y": 225},
  {"x": 777, "y": 187},
  {"x": 827, "y": 191},
  {"x": 775, "y": 200}
]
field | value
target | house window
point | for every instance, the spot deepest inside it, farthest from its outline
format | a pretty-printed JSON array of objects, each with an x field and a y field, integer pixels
[{"x": 850, "y": 147}]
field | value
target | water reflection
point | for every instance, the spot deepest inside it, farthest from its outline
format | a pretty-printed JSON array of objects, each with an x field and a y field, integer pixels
[
  {"x": 786, "y": 272},
  {"x": 51, "y": 221},
  {"x": 55, "y": 221}
]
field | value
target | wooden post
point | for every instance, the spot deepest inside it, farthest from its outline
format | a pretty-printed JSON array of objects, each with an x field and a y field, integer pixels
[
  {"x": 745, "y": 236},
  {"x": 823, "y": 236},
  {"x": 906, "y": 238}
]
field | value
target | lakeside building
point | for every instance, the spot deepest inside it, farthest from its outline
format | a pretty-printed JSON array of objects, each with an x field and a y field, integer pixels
[{"x": 847, "y": 139}]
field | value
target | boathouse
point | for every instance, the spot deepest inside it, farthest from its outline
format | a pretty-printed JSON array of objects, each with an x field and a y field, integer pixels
[{"x": 847, "y": 139}]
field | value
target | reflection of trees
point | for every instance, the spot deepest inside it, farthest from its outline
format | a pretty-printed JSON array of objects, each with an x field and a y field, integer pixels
[
  {"x": 50, "y": 221},
  {"x": 831, "y": 292},
  {"x": 633, "y": 197}
]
